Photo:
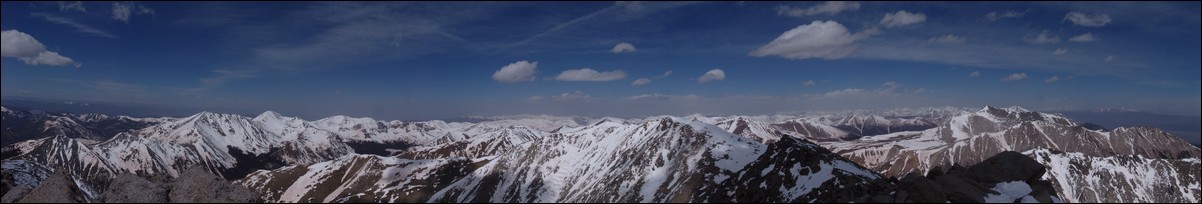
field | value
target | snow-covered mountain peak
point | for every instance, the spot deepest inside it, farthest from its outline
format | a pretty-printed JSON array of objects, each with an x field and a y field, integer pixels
[
  {"x": 344, "y": 121},
  {"x": 268, "y": 115}
]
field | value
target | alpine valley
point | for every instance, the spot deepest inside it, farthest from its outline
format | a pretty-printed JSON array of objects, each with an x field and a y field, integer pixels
[{"x": 945, "y": 154}]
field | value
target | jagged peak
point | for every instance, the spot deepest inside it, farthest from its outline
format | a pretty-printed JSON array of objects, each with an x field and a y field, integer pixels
[{"x": 604, "y": 120}]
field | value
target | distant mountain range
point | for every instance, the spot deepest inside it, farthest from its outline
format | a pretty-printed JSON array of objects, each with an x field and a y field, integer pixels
[{"x": 855, "y": 156}]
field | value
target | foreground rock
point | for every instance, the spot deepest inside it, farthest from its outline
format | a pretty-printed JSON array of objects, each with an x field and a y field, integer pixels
[{"x": 195, "y": 185}]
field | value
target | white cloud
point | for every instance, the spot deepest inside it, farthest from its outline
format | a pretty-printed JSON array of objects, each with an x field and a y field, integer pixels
[
  {"x": 1109, "y": 58},
  {"x": 1044, "y": 38},
  {"x": 49, "y": 58},
  {"x": 1060, "y": 51},
  {"x": 819, "y": 39},
  {"x": 994, "y": 16},
  {"x": 1088, "y": 37},
  {"x": 623, "y": 47},
  {"x": 666, "y": 74},
  {"x": 828, "y": 8},
  {"x": 947, "y": 39},
  {"x": 901, "y": 18},
  {"x": 586, "y": 74},
  {"x": 1087, "y": 20},
  {"x": 640, "y": 82},
  {"x": 516, "y": 72},
  {"x": 1053, "y": 79},
  {"x": 809, "y": 83},
  {"x": 712, "y": 75},
  {"x": 17, "y": 44},
  {"x": 71, "y": 6},
  {"x": 974, "y": 74},
  {"x": 1016, "y": 76},
  {"x": 123, "y": 10}
]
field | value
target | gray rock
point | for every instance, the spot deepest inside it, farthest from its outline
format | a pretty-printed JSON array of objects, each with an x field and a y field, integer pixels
[
  {"x": 130, "y": 188},
  {"x": 14, "y": 194},
  {"x": 58, "y": 188},
  {"x": 197, "y": 185}
]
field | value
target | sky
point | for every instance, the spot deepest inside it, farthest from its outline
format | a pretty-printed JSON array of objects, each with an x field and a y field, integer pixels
[{"x": 430, "y": 60}]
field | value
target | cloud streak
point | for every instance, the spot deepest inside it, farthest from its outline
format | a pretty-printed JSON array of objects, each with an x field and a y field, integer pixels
[
  {"x": 1088, "y": 37},
  {"x": 947, "y": 39},
  {"x": 902, "y": 18},
  {"x": 78, "y": 27},
  {"x": 828, "y": 8},
  {"x": 1015, "y": 76},
  {"x": 640, "y": 82},
  {"x": 1052, "y": 79},
  {"x": 587, "y": 74},
  {"x": 1087, "y": 20}
]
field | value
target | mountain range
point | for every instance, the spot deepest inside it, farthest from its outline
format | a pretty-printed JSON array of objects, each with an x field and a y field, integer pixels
[{"x": 854, "y": 156}]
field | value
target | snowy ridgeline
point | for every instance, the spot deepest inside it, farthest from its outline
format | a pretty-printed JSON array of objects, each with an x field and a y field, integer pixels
[{"x": 653, "y": 159}]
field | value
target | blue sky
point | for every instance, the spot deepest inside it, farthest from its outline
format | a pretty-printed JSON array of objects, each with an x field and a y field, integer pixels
[{"x": 425, "y": 60}]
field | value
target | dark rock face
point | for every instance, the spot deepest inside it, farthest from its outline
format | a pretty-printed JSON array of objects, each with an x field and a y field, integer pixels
[
  {"x": 1005, "y": 167},
  {"x": 969, "y": 185}
]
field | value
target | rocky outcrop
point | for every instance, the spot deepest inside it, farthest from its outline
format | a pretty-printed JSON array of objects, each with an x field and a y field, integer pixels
[
  {"x": 197, "y": 185},
  {"x": 130, "y": 188},
  {"x": 58, "y": 188},
  {"x": 1006, "y": 177}
]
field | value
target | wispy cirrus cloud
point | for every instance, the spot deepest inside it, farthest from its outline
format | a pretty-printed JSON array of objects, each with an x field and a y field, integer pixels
[
  {"x": 902, "y": 18},
  {"x": 588, "y": 74},
  {"x": 1087, "y": 20},
  {"x": 998, "y": 15},
  {"x": 828, "y": 8},
  {"x": 122, "y": 11},
  {"x": 1015, "y": 76},
  {"x": 71, "y": 6},
  {"x": 640, "y": 82},
  {"x": 1088, "y": 37},
  {"x": 78, "y": 27}
]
